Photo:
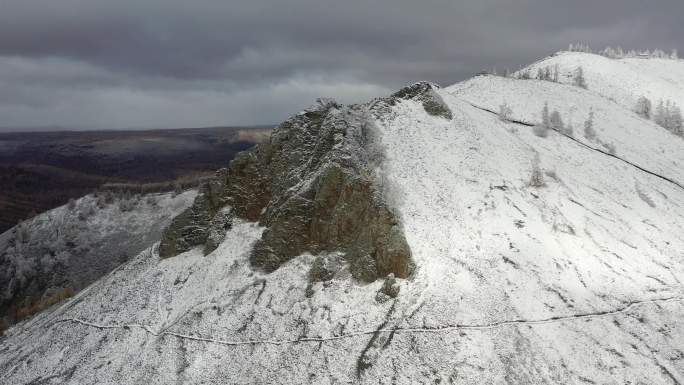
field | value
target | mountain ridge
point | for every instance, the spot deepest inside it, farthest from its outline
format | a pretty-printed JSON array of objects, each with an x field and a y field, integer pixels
[{"x": 537, "y": 260}]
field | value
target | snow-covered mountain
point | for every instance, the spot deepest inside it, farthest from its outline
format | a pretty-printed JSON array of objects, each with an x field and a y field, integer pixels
[{"x": 522, "y": 258}]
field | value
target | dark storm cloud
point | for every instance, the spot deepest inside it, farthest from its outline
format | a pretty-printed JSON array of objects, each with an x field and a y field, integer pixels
[{"x": 201, "y": 62}]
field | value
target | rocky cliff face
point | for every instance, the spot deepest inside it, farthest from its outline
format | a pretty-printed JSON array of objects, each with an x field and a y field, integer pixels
[{"x": 314, "y": 187}]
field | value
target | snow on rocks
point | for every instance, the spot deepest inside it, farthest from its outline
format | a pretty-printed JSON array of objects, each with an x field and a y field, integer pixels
[{"x": 574, "y": 280}]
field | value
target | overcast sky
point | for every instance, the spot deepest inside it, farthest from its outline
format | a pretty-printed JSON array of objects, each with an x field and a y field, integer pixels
[{"x": 173, "y": 63}]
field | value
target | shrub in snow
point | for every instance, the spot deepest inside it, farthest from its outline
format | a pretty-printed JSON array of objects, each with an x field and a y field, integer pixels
[
  {"x": 669, "y": 116},
  {"x": 545, "y": 115},
  {"x": 610, "y": 147},
  {"x": 541, "y": 130},
  {"x": 552, "y": 174},
  {"x": 569, "y": 129},
  {"x": 548, "y": 74},
  {"x": 556, "y": 122},
  {"x": 643, "y": 107},
  {"x": 556, "y": 74},
  {"x": 579, "y": 80},
  {"x": 537, "y": 177},
  {"x": 589, "y": 131},
  {"x": 540, "y": 74},
  {"x": 505, "y": 112}
]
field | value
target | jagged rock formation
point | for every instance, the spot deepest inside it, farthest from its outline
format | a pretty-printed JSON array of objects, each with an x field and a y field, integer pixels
[{"x": 314, "y": 188}]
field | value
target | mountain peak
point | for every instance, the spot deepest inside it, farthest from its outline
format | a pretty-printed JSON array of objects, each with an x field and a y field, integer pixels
[{"x": 499, "y": 230}]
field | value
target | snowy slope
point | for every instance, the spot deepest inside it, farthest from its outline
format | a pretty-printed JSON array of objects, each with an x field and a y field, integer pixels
[
  {"x": 622, "y": 80},
  {"x": 577, "y": 281},
  {"x": 639, "y": 140},
  {"x": 73, "y": 245}
]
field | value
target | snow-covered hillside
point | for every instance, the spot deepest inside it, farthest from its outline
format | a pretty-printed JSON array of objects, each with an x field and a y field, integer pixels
[
  {"x": 69, "y": 247},
  {"x": 621, "y": 80},
  {"x": 577, "y": 278}
]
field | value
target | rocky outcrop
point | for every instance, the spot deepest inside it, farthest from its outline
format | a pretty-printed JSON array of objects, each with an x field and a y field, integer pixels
[
  {"x": 219, "y": 225},
  {"x": 390, "y": 289},
  {"x": 424, "y": 92},
  {"x": 314, "y": 188}
]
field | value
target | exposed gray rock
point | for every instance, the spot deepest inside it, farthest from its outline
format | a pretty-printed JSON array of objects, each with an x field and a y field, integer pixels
[
  {"x": 425, "y": 93},
  {"x": 390, "y": 289},
  {"x": 188, "y": 229},
  {"x": 313, "y": 187},
  {"x": 219, "y": 225},
  {"x": 194, "y": 225},
  {"x": 324, "y": 267}
]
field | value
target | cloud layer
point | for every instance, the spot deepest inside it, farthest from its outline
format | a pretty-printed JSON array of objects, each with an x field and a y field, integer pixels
[{"x": 171, "y": 63}]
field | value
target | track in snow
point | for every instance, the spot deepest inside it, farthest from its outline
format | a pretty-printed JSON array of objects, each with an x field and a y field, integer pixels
[
  {"x": 438, "y": 329},
  {"x": 523, "y": 123}
]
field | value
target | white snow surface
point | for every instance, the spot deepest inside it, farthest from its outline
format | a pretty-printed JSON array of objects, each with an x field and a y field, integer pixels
[
  {"x": 621, "y": 80},
  {"x": 578, "y": 281}
]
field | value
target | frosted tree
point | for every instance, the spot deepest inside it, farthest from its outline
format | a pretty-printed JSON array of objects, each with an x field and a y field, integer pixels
[
  {"x": 659, "y": 53},
  {"x": 556, "y": 122},
  {"x": 660, "y": 117},
  {"x": 556, "y": 72},
  {"x": 540, "y": 74},
  {"x": 579, "y": 47},
  {"x": 569, "y": 129},
  {"x": 675, "y": 54},
  {"x": 537, "y": 177},
  {"x": 589, "y": 131},
  {"x": 545, "y": 115},
  {"x": 669, "y": 116},
  {"x": 579, "y": 80},
  {"x": 542, "y": 129},
  {"x": 644, "y": 107},
  {"x": 676, "y": 121},
  {"x": 525, "y": 75}
]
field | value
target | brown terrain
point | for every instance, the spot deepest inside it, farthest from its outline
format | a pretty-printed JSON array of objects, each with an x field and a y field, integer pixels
[{"x": 43, "y": 170}]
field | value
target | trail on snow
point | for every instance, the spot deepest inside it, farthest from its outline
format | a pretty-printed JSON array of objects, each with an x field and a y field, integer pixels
[
  {"x": 528, "y": 124},
  {"x": 438, "y": 329}
]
